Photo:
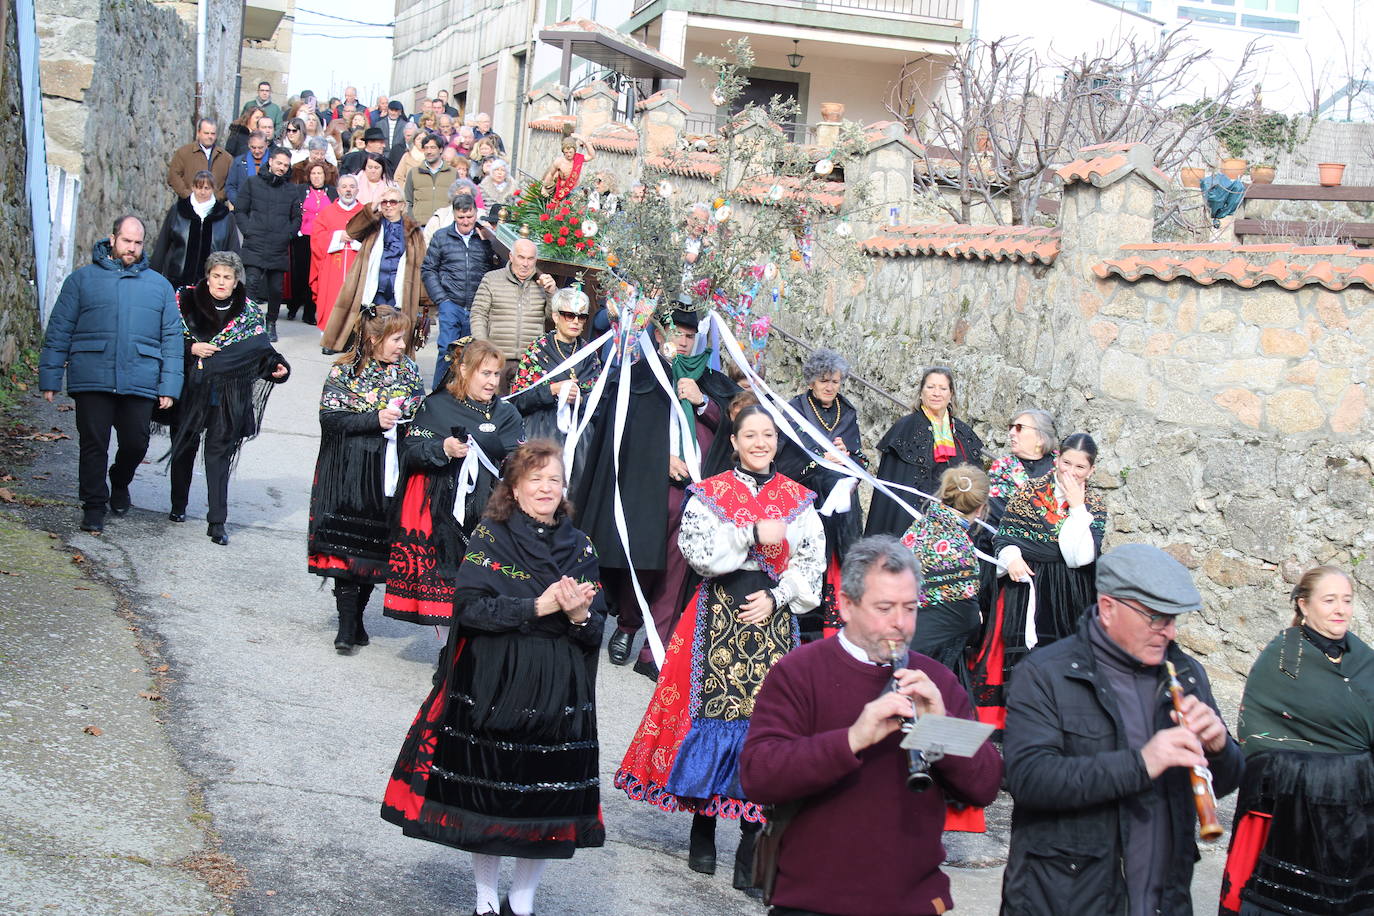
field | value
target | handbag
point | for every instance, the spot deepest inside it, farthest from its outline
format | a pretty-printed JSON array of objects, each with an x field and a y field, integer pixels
[{"x": 769, "y": 844}]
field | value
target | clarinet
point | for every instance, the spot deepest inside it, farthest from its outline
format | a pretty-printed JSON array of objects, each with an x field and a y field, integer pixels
[
  {"x": 918, "y": 777},
  {"x": 1209, "y": 828}
]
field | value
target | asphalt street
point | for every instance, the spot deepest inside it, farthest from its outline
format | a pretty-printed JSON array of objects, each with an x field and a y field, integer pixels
[{"x": 291, "y": 744}]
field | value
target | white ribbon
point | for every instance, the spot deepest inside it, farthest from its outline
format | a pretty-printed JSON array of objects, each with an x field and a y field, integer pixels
[
  {"x": 1031, "y": 637},
  {"x": 468, "y": 471},
  {"x": 392, "y": 465},
  {"x": 678, "y": 431},
  {"x": 841, "y": 496},
  {"x": 576, "y": 359}
]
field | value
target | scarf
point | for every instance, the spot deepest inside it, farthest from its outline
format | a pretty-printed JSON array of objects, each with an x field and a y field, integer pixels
[
  {"x": 372, "y": 387},
  {"x": 202, "y": 207},
  {"x": 692, "y": 367},
  {"x": 1033, "y": 518},
  {"x": 943, "y": 430}
]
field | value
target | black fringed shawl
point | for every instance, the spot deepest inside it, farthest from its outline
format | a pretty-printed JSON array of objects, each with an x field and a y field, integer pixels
[
  {"x": 229, "y": 389},
  {"x": 1033, "y": 519},
  {"x": 508, "y": 565}
]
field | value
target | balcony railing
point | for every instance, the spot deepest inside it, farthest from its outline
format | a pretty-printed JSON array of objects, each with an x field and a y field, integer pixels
[
  {"x": 700, "y": 127},
  {"x": 943, "y": 11}
]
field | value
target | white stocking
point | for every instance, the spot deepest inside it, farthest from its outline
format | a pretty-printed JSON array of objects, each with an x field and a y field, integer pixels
[
  {"x": 524, "y": 883},
  {"x": 486, "y": 872}
]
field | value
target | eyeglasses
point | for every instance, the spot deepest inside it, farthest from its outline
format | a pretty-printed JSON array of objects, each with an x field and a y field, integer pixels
[
  {"x": 293, "y": 130},
  {"x": 570, "y": 316},
  {"x": 1018, "y": 427},
  {"x": 390, "y": 203},
  {"x": 1157, "y": 622}
]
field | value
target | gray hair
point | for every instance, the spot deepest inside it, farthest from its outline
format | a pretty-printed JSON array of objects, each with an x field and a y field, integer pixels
[
  {"x": 317, "y": 142},
  {"x": 498, "y": 164},
  {"x": 824, "y": 362},
  {"x": 349, "y": 177},
  {"x": 880, "y": 550},
  {"x": 1042, "y": 421},
  {"x": 225, "y": 259},
  {"x": 460, "y": 198}
]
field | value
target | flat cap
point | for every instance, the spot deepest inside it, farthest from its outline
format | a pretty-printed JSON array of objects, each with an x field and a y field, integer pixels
[{"x": 1144, "y": 573}]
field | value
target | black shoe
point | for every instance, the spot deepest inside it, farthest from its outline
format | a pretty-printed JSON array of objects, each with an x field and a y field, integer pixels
[
  {"x": 648, "y": 669},
  {"x": 291, "y": 311},
  {"x": 744, "y": 856},
  {"x": 272, "y": 331},
  {"x": 215, "y": 531},
  {"x": 701, "y": 851},
  {"x": 175, "y": 516},
  {"x": 325, "y": 351},
  {"x": 507, "y": 911},
  {"x": 120, "y": 501},
  {"x": 619, "y": 647},
  {"x": 346, "y": 601},
  {"x": 93, "y": 520}
]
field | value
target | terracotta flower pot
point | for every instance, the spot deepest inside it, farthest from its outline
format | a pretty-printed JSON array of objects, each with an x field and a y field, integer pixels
[
  {"x": 1190, "y": 176},
  {"x": 1329, "y": 173},
  {"x": 832, "y": 111},
  {"x": 1263, "y": 174},
  {"x": 1234, "y": 168}
]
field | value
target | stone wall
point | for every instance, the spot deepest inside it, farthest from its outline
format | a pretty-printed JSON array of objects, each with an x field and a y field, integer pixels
[{"x": 18, "y": 300}]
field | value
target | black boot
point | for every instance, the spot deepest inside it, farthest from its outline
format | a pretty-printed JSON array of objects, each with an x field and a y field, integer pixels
[
  {"x": 744, "y": 855},
  {"x": 364, "y": 595},
  {"x": 120, "y": 501},
  {"x": 701, "y": 852},
  {"x": 272, "y": 330},
  {"x": 346, "y": 600},
  {"x": 215, "y": 532},
  {"x": 93, "y": 520}
]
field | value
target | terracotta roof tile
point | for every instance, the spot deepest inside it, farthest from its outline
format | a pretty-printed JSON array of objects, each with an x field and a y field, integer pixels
[
  {"x": 1107, "y": 163},
  {"x": 825, "y": 195},
  {"x": 662, "y": 95},
  {"x": 1292, "y": 267},
  {"x": 1032, "y": 244},
  {"x": 690, "y": 165},
  {"x": 553, "y": 122}
]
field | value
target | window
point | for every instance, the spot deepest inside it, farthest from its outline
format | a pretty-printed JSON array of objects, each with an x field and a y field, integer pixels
[
  {"x": 1263, "y": 15},
  {"x": 1202, "y": 14},
  {"x": 1270, "y": 23}
]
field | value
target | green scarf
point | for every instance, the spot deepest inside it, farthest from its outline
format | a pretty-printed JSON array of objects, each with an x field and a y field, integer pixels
[{"x": 692, "y": 367}]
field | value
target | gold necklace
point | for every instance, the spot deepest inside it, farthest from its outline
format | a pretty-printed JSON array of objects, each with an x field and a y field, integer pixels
[
  {"x": 485, "y": 412},
  {"x": 558, "y": 348},
  {"x": 828, "y": 427}
]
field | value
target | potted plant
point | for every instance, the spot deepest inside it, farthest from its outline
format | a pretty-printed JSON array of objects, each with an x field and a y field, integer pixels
[
  {"x": 1191, "y": 176},
  {"x": 1329, "y": 173},
  {"x": 1263, "y": 172}
]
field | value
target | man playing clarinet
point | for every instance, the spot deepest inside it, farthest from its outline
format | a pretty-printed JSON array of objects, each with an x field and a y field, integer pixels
[
  {"x": 1101, "y": 767},
  {"x": 824, "y": 746}
]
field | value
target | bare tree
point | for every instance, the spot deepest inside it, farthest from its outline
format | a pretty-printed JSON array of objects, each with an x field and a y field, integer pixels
[{"x": 1004, "y": 118}]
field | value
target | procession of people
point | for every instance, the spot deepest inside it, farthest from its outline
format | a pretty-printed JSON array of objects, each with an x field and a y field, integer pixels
[{"x": 793, "y": 635}]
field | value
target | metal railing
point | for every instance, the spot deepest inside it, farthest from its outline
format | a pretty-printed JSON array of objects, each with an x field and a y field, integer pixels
[
  {"x": 706, "y": 124},
  {"x": 950, "y": 11}
]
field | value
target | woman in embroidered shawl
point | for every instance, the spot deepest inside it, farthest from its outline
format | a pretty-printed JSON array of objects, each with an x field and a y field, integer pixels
[
  {"x": 834, "y": 418},
  {"x": 502, "y": 758},
  {"x": 1047, "y": 548},
  {"x": 1031, "y": 438},
  {"x": 918, "y": 448},
  {"x": 1304, "y": 827},
  {"x": 368, "y": 392},
  {"x": 461, "y": 433},
  {"x": 757, "y": 540},
  {"x": 543, "y": 406},
  {"x": 231, "y": 368}
]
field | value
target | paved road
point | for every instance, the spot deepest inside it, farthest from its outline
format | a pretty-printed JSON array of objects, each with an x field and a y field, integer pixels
[{"x": 293, "y": 744}]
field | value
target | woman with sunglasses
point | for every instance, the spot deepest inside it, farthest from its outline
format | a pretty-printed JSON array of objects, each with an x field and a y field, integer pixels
[
  {"x": 294, "y": 137},
  {"x": 550, "y": 407},
  {"x": 386, "y": 271},
  {"x": 1030, "y": 437},
  {"x": 1047, "y": 547}
]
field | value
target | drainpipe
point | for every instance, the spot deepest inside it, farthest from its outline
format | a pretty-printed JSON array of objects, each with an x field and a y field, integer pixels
[{"x": 202, "y": 27}]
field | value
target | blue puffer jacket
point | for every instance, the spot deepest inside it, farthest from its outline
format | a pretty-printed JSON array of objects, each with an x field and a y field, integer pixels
[{"x": 115, "y": 329}]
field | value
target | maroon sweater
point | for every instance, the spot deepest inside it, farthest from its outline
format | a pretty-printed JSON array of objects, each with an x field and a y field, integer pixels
[{"x": 863, "y": 843}]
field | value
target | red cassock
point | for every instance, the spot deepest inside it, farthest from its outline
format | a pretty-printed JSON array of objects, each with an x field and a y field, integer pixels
[{"x": 328, "y": 269}]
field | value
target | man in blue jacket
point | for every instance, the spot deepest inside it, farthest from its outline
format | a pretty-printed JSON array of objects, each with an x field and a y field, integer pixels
[
  {"x": 246, "y": 166},
  {"x": 117, "y": 335}
]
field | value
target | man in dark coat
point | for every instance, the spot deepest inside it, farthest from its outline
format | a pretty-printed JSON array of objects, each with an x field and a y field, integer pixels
[
  {"x": 1097, "y": 763},
  {"x": 115, "y": 333},
  {"x": 268, "y": 210},
  {"x": 246, "y": 166},
  {"x": 457, "y": 259},
  {"x": 374, "y": 141},
  {"x": 653, "y": 482},
  {"x": 193, "y": 228}
]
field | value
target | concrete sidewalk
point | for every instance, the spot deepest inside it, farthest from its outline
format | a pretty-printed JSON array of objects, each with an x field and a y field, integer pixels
[{"x": 96, "y": 812}]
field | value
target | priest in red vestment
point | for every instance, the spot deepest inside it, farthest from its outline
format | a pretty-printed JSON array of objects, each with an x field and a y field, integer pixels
[{"x": 331, "y": 252}]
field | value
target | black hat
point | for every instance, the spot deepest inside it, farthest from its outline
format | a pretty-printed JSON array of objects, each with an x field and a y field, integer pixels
[
  {"x": 374, "y": 133},
  {"x": 395, "y": 106},
  {"x": 306, "y": 94},
  {"x": 686, "y": 318}
]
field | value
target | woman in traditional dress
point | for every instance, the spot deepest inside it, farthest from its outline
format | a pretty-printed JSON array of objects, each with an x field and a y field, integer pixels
[
  {"x": 1047, "y": 548},
  {"x": 549, "y": 409},
  {"x": 368, "y": 391},
  {"x": 918, "y": 448},
  {"x": 231, "y": 369},
  {"x": 834, "y": 417},
  {"x": 943, "y": 540},
  {"x": 757, "y": 540},
  {"x": 1031, "y": 438},
  {"x": 502, "y": 758},
  {"x": 1304, "y": 827},
  {"x": 440, "y": 453}
]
